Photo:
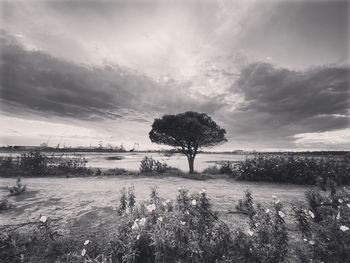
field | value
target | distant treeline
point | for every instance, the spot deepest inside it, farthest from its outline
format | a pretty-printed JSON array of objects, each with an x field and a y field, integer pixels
[{"x": 98, "y": 149}]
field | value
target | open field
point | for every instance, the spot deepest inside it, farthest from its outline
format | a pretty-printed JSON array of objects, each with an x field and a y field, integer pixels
[{"x": 70, "y": 199}]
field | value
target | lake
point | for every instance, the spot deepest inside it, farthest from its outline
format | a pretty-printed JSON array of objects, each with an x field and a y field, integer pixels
[{"x": 131, "y": 160}]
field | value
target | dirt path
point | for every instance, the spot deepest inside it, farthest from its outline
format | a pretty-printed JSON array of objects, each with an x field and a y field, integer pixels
[{"x": 68, "y": 198}]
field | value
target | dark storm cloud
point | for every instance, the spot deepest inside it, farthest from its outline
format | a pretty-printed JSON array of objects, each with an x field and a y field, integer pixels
[
  {"x": 298, "y": 33},
  {"x": 279, "y": 103},
  {"x": 34, "y": 81}
]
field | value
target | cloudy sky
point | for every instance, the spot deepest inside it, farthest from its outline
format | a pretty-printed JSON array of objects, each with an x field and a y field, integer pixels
[{"x": 275, "y": 74}]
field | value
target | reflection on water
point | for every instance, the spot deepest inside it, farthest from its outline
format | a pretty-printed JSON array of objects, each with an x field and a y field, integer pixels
[{"x": 131, "y": 160}]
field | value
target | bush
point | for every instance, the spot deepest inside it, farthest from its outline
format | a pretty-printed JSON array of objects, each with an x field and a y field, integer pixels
[
  {"x": 34, "y": 163},
  {"x": 246, "y": 205},
  {"x": 212, "y": 170},
  {"x": 115, "y": 171},
  {"x": 224, "y": 168},
  {"x": 324, "y": 223},
  {"x": 149, "y": 165},
  {"x": 267, "y": 238},
  {"x": 293, "y": 169}
]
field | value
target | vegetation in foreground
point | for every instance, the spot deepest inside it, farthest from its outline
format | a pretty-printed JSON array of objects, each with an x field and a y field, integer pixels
[{"x": 189, "y": 230}]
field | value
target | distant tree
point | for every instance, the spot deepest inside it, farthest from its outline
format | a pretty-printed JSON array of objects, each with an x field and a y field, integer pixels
[{"x": 188, "y": 132}]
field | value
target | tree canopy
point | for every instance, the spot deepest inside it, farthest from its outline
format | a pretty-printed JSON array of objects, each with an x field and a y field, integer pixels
[{"x": 188, "y": 132}]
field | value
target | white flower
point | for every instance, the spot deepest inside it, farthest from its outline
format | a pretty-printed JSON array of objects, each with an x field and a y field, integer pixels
[
  {"x": 182, "y": 223},
  {"x": 348, "y": 205},
  {"x": 151, "y": 207},
  {"x": 250, "y": 232},
  {"x": 274, "y": 197},
  {"x": 135, "y": 226},
  {"x": 257, "y": 224},
  {"x": 340, "y": 201},
  {"x": 338, "y": 216},
  {"x": 160, "y": 219},
  {"x": 138, "y": 237},
  {"x": 86, "y": 242},
  {"x": 187, "y": 213},
  {"x": 281, "y": 214},
  {"x": 143, "y": 221},
  {"x": 83, "y": 252},
  {"x": 344, "y": 228},
  {"x": 43, "y": 219},
  {"x": 305, "y": 239},
  {"x": 277, "y": 201},
  {"x": 163, "y": 203},
  {"x": 311, "y": 214},
  {"x": 311, "y": 242},
  {"x": 202, "y": 191},
  {"x": 267, "y": 211},
  {"x": 167, "y": 201},
  {"x": 194, "y": 202},
  {"x": 179, "y": 188}
]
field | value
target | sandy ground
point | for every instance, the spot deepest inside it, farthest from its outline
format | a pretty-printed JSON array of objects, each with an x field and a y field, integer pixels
[{"x": 96, "y": 198}]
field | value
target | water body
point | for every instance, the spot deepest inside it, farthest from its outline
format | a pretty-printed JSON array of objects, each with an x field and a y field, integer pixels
[{"x": 131, "y": 160}]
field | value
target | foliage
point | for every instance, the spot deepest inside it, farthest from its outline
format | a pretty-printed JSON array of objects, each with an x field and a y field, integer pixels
[
  {"x": 212, "y": 170},
  {"x": 267, "y": 238},
  {"x": 324, "y": 223},
  {"x": 188, "y": 229},
  {"x": 246, "y": 205},
  {"x": 149, "y": 165},
  {"x": 293, "y": 169},
  {"x": 35, "y": 163},
  {"x": 115, "y": 171},
  {"x": 188, "y": 132}
]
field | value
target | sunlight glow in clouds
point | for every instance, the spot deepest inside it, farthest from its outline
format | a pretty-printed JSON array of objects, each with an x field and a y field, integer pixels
[
  {"x": 320, "y": 139},
  {"x": 274, "y": 74}
]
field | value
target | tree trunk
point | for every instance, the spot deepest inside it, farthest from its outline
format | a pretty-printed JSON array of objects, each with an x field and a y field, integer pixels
[{"x": 191, "y": 163}]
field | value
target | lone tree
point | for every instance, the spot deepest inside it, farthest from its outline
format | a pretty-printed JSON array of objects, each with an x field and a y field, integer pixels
[{"x": 188, "y": 132}]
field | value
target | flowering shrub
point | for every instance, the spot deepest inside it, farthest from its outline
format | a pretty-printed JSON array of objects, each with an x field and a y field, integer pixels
[
  {"x": 160, "y": 231},
  {"x": 267, "y": 238},
  {"x": 294, "y": 169},
  {"x": 324, "y": 223},
  {"x": 189, "y": 230}
]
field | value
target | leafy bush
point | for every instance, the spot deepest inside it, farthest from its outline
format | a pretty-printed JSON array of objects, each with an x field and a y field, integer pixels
[
  {"x": 149, "y": 165},
  {"x": 267, "y": 238},
  {"x": 212, "y": 170},
  {"x": 324, "y": 223},
  {"x": 223, "y": 168},
  {"x": 35, "y": 163},
  {"x": 293, "y": 169},
  {"x": 246, "y": 205},
  {"x": 115, "y": 171}
]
